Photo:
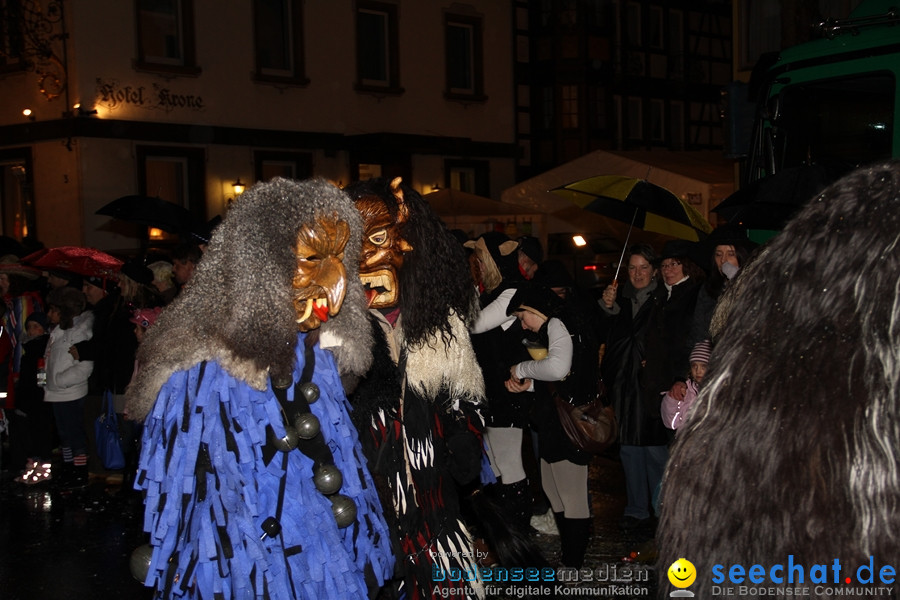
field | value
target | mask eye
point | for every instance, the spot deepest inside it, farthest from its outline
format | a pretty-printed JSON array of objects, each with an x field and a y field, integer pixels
[{"x": 379, "y": 237}]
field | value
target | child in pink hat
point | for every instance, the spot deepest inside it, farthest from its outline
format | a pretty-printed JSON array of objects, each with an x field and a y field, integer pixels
[{"x": 674, "y": 411}]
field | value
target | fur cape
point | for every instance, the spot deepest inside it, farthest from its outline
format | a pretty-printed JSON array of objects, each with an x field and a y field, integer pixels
[
  {"x": 237, "y": 308},
  {"x": 791, "y": 452},
  {"x": 420, "y": 419}
]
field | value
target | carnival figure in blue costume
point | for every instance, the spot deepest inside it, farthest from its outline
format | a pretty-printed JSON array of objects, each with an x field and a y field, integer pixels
[{"x": 254, "y": 479}]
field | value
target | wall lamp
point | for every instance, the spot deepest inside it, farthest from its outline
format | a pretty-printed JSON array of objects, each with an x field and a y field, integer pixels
[
  {"x": 579, "y": 240},
  {"x": 237, "y": 188},
  {"x": 27, "y": 112}
]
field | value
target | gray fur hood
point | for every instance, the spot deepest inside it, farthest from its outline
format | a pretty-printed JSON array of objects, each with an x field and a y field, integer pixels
[{"x": 237, "y": 309}]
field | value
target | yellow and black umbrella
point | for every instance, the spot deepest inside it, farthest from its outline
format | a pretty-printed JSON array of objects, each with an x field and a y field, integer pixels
[{"x": 638, "y": 202}]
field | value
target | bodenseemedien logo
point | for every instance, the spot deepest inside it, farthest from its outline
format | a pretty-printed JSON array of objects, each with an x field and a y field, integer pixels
[{"x": 682, "y": 574}]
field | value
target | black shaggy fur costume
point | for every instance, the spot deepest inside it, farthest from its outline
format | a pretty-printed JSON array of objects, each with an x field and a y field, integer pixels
[
  {"x": 792, "y": 448},
  {"x": 420, "y": 419}
]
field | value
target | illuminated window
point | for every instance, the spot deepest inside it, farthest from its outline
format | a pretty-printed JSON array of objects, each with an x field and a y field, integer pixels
[{"x": 176, "y": 175}]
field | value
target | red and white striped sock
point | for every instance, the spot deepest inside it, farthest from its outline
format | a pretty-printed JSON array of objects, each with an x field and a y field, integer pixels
[{"x": 81, "y": 460}]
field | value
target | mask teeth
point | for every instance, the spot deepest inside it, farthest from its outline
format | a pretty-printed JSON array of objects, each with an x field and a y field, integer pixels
[{"x": 306, "y": 311}]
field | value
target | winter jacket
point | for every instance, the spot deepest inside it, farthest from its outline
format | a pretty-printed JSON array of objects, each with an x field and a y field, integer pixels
[
  {"x": 67, "y": 378},
  {"x": 637, "y": 412},
  {"x": 675, "y": 411}
]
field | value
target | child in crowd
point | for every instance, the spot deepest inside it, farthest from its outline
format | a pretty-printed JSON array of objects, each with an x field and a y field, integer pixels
[
  {"x": 674, "y": 411},
  {"x": 33, "y": 426},
  {"x": 143, "y": 318}
]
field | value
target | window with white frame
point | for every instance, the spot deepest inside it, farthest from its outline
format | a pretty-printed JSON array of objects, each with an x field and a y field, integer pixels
[
  {"x": 278, "y": 39},
  {"x": 464, "y": 56},
  {"x": 166, "y": 35},
  {"x": 376, "y": 46}
]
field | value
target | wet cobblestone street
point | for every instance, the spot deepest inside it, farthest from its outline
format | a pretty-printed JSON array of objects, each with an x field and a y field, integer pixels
[{"x": 76, "y": 545}]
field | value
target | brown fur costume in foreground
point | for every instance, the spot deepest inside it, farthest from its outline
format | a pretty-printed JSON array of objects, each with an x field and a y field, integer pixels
[{"x": 792, "y": 446}]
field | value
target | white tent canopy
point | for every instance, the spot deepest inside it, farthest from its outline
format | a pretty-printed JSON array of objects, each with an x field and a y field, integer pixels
[
  {"x": 476, "y": 214},
  {"x": 703, "y": 179}
]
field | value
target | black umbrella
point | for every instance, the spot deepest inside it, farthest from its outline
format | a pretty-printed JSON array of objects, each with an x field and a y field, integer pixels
[
  {"x": 150, "y": 211},
  {"x": 641, "y": 204},
  {"x": 770, "y": 202}
]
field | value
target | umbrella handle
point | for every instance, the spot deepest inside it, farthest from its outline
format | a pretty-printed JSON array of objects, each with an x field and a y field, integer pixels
[{"x": 624, "y": 248}]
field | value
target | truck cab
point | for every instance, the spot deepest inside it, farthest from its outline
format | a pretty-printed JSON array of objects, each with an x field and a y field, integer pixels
[{"x": 830, "y": 102}]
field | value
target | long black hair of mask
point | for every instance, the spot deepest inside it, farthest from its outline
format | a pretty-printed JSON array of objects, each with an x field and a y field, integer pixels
[{"x": 435, "y": 275}]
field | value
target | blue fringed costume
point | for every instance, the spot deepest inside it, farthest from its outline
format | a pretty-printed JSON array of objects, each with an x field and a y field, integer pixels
[
  {"x": 255, "y": 482},
  {"x": 209, "y": 488}
]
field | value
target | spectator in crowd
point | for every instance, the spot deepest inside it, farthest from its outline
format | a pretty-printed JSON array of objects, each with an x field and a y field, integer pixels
[
  {"x": 531, "y": 255},
  {"x": 628, "y": 314},
  {"x": 569, "y": 369},
  {"x": 184, "y": 260},
  {"x": 164, "y": 280},
  {"x": 67, "y": 379},
  {"x": 31, "y": 430},
  {"x": 728, "y": 250},
  {"x": 498, "y": 345},
  {"x": 675, "y": 411}
]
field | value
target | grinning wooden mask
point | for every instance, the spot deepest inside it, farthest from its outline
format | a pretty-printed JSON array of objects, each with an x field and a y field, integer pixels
[
  {"x": 320, "y": 280},
  {"x": 383, "y": 246}
]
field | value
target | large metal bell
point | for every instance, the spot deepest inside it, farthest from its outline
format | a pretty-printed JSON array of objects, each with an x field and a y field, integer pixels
[
  {"x": 306, "y": 425},
  {"x": 344, "y": 510},
  {"x": 282, "y": 383},
  {"x": 310, "y": 391},
  {"x": 140, "y": 562},
  {"x": 328, "y": 478},
  {"x": 288, "y": 442}
]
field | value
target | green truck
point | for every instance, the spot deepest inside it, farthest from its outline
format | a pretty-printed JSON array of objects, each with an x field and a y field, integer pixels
[
  {"x": 813, "y": 112},
  {"x": 832, "y": 101}
]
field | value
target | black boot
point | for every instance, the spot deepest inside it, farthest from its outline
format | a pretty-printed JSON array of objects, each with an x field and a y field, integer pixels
[{"x": 574, "y": 535}]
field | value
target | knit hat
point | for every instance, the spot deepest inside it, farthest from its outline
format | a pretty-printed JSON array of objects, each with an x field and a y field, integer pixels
[
  {"x": 39, "y": 318},
  {"x": 701, "y": 351}
]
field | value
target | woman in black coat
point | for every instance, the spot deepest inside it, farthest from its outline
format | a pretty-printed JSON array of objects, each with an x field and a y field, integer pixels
[{"x": 647, "y": 322}]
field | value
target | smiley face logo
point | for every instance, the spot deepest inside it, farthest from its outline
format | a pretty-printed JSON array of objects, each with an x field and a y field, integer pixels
[{"x": 682, "y": 573}]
